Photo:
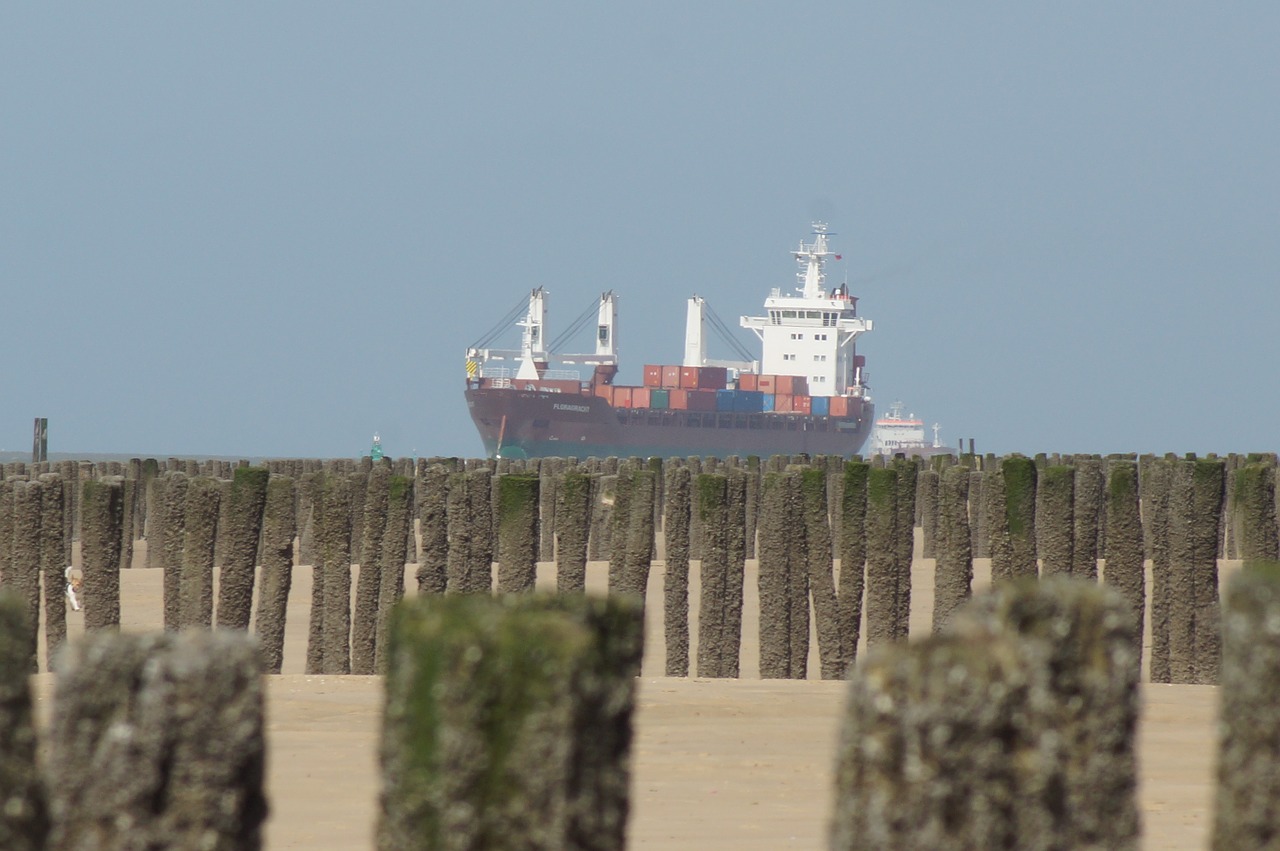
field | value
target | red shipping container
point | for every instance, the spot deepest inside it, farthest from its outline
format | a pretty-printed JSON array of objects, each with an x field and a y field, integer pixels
[
  {"x": 688, "y": 378},
  {"x": 748, "y": 381},
  {"x": 678, "y": 400},
  {"x": 622, "y": 397},
  {"x": 802, "y": 404},
  {"x": 782, "y": 404},
  {"x": 640, "y": 397},
  {"x": 671, "y": 377},
  {"x": 702, "y": 400},
  {"x": 652, "y": 375},
  {"x": 604, "y": 391},
  {"x": 713, "y": 378},
  {"x": 839, "y": 406},
  {"x": 767, "y": 384}
]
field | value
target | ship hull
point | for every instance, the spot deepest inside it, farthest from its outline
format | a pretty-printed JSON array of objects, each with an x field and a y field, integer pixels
[{"x": 534, "y": 424}]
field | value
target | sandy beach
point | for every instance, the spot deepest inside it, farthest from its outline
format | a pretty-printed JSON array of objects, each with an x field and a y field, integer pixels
[{"x": 718, "y": 764}]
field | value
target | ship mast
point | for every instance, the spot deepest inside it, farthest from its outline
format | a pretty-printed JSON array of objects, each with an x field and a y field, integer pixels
[{"x": 811, "y": 257}]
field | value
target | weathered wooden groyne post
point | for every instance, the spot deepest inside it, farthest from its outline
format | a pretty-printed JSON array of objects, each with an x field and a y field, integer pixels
[
  {"x": 1089, "y": 514},
  {"x": 712, "y": 512},
  {"x": 279, "y": 525},
  {"x": 246, "y": 500},
  {"x": 882, "y": 565},
  {"x": 675, "y": 591},
  {"x": 101, "y": 523},
  {"x": 24, "y": 817},
  {"x": 200, "y": 524},
  {"x": 392, "y": 571},
  {"x": 573, "y": 529},
  {"x": 507, "y": 723},
  {"x": 433, "y": 523},
  {"x": 517, "y": 532},
  {"x": 1055, "y": 519},
  {"x": 822, "y": 588},
  {"x": 1247, "y": 808},
  {"x": 190, "y": 772},
  {"x": 953, "y": 577}
]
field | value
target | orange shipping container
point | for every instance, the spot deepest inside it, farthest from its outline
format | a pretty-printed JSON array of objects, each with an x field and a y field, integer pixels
[
  {"x": 792, "y": 385},
  {"x": 678, "y": 400},
  {"x": 748, "y": 381},
  {"x": 640, "y": 397},
  {"x": 622, "y": 397},
  {"x": 802, "y": 404},
  {"x": 671, "y": 377},
  {"x": 604, "y": 391},
  {"x": 782, "y": 404},
  {"x": 652, "y": 375},
  {"x": 767, "y": 384},
  {"x": 839, "y": 406}
]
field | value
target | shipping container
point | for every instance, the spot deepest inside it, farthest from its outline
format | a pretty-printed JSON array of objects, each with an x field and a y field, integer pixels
[
  {"x": 652, "y": 375},
  {"x": 724, "y": 400},
  {"x": 702, "y": 400},
  {"x": 604, "y": 391},
  {"x": 640, "y": 397},
  {"x": 802, "y": 404},
  {"x": 678, "y": 400},
  {"x": 791, "y": 385},
  {"x": 782, "y": 403},
  {"x": 821, "y": 406},
  {"x": 766, "y": 402},
  {"x": 839, "y": 406},
  {"x": 659, "y": 399},
  {"x": 748, "y": 381},
  {"x": 767, "y": 383},
  {"x": 671, "y": 377},
  {"x": 703, "y": 377},
  {"x": 622, "y": 397},
  {"x": 748, "y": 402}
]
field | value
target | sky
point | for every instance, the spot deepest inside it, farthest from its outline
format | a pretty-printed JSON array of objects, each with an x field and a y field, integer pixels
[{"x": 273, "y": 229}]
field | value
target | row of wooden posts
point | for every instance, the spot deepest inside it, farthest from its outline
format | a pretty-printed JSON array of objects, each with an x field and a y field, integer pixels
[
  {"x": 507, "y": 724},
  {"x": 801, "y": 517}
]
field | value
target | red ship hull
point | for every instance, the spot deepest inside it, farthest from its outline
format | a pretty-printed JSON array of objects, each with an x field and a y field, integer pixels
[{"x": 536, "y": 424}]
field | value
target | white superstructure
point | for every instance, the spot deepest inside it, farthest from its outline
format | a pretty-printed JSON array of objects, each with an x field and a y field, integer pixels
[
  {"x": 812, "y": 333},
  {"x": 898, "y": 432}
]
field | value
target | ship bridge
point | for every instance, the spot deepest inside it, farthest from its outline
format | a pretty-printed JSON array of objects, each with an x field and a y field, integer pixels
[{"x": 812, "y": 333}]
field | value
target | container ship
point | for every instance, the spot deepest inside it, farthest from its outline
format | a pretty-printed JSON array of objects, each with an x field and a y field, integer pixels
[
  {"x": 897, "y": 433},
  {"x": 806, "y": 393}
]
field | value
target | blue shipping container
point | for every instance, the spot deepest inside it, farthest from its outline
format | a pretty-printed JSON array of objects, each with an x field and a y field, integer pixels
[
  {"x": 821, "y": 406},
  {"x": 748, "y": 402},
  {"x": 766, "y": 402},
  {"x": 724, "y": 400}
]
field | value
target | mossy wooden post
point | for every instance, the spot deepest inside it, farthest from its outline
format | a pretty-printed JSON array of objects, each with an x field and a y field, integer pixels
[
  {"x": 710, "y": 492},
  {"x": 1254, "y": 515},
  {"x": 372, "y": 531},
  {"x": 171, "y": 514},
  {"x": 22, "y": 578},
  {"x": 6, "y": 524},
  {"x": 1209, "y": 489},
  {"x": 620, "y": 526},
  {"x": 548, "y": 478},
  {"x": 433, "y": 524},
  {"x": 517, "y": 533},
  {"x": 101, "y": 522},
  {"x": 331, "y": 576},
  {"x": 1089, "y": 509},
  {"x": 1156, "y": 486},
  {"x": 953, "y": 578},
  {"x": 279, "y": 524},
  {"x": 639, "y": 551},
  {"x": 573, "y": 527},
  {"x": 1055, "y": 519},
  {"x": 927, "y": 508},
  {"x": 599, "y": 545},
  {"x": 675, "y": 590},
  {"x": 1124, "y": 568},
  {"x": 1019, "y": 475},
  {"x": 247, "y": 497},
  {"x": 813, "y": 493},
  {"x": 391, "y": 590},
  {"x": 479, "y": 575},
  {"x": 882, "y": 573},
  {"x": 459, "y": 535},
  {"x": 195, "y": 591},
  {"x": 776, "y": 563},
  {"x": 24, "y": 819},
  {"x": 53, "y": 563},
  {"x": 904, "y": 544},
  {"x": 852, "y": 552},
  {"x": 752, "y": 469},
  {"x": 149, "y": 471},
  {"x": 189, "y": 772},
  {"x": 1247, "y": 806},
  {"x": 1079, "y": 779},
  {"x": 999, "y": 547},
  {"x": 507, "y": 723},
  {"x": 952, "y": 707},
  {"x": 979, "y": 540}
]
